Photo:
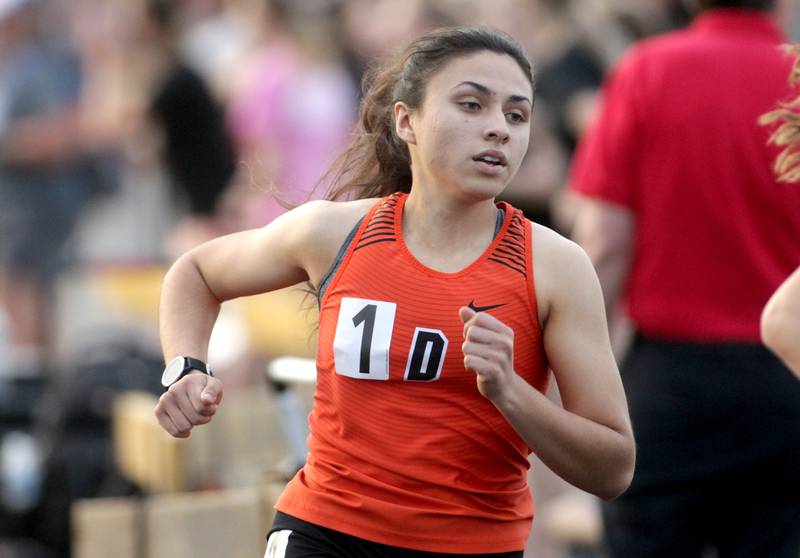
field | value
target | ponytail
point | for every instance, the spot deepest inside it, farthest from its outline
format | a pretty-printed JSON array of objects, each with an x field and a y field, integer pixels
[{"x": 377, "y": 162}]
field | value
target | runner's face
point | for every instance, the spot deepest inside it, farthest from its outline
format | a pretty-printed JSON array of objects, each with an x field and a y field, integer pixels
[{"x": 471, "y": 132}]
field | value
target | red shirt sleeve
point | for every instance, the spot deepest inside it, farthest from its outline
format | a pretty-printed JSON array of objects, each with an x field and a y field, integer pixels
[{"x": 605, "y": 162}]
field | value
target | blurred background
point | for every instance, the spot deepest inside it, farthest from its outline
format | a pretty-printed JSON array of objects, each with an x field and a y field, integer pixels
[{"x": 132, "y": 130}]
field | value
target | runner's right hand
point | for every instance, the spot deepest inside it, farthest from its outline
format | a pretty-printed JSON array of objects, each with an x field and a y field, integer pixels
[{"x": 189, "y": 402}]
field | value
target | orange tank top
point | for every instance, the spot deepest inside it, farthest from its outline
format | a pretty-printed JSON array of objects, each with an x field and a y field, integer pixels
[{"x": 403, "y": 448}]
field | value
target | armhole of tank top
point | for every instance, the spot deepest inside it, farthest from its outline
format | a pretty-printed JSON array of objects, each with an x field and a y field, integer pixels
[
  {"x": 326, "y": 280},
  {"x": 501, "y": 219},
  {"x": 345, "y": 252}
]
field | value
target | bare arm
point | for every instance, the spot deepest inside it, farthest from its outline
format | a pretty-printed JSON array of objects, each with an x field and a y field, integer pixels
[
  {"x": 780, "y": 322},
  {"x": 235, "y": 265},
  {"x": 291, "y": 249},
  {"x": 605, "y": 231},
  {"x": 588, "y": 441}
]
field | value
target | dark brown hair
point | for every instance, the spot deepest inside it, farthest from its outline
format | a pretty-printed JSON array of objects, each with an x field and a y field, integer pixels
[
  {"x": 377, "y": 162},
  {"x": 787, "y": 134}
]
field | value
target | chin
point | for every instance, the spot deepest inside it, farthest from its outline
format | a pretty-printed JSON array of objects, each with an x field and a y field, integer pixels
[{"x": 484, "y": 189}]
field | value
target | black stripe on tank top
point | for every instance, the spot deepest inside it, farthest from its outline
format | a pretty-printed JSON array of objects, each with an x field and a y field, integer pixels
[{"x": 510, "y": 251}]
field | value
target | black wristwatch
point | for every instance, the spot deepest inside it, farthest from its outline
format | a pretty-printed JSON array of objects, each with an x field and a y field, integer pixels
[{"x": 179, "y": 366}]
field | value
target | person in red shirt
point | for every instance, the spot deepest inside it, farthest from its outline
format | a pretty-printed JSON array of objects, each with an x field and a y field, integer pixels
[
  {"x": 441, "y": 315},
  {"x": 690, "y": 234}
]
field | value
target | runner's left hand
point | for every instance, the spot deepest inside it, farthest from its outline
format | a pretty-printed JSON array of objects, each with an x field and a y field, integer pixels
[{"x": 489, "y": 352}]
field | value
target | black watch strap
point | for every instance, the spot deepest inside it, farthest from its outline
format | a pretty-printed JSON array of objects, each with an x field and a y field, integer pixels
[{"x": 197, "y": 364}]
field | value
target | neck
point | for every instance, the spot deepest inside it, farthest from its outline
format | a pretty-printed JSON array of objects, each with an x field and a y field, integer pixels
[
  {"x": 432, "y": 223},
  {"x": 439, "y": 212}
]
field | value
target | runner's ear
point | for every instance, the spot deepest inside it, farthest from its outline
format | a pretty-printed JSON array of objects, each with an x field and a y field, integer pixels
[{"x": 403, "y": 124}]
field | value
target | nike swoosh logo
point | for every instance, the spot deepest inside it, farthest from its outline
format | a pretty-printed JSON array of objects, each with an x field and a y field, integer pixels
[{"x": 472, "y": 306}]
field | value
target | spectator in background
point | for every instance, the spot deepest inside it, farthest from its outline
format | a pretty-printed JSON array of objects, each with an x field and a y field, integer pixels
[
  {"x": 45, "y": 182},
  {"x": 780, "y": 321},
  {"x": 216, "y": 35},
  {"x": 587, "y": 38},
  {"x": 374, "y": 29},
  {"x": 43, "y": 178},
  {"x": 197, "y": 149},
  {"x": 688, "y": 227},
  {"x": 291, "y": 110}
]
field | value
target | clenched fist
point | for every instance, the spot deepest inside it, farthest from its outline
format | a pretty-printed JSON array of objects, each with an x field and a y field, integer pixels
[
  {"x": 489, "y": 352},
  {"x": 189, "y": 402}
]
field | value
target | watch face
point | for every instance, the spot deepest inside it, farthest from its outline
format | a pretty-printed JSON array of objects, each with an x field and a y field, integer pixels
[{"x": 173, "y": 371}]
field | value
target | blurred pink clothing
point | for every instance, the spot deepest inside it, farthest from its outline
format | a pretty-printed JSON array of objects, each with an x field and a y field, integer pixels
[{"x": 302, "y": 114}]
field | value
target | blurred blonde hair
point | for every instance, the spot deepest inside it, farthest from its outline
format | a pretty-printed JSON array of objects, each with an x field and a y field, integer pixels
[{"x": 787, "y": 134}]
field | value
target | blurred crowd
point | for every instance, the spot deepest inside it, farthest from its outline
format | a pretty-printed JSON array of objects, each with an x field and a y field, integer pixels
[
  {"x": 236, "y": 108},
  {"x": 239, "y": 106}
]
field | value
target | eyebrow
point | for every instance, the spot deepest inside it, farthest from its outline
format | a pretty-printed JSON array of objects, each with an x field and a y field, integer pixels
[{"x": 485, "y": 90}]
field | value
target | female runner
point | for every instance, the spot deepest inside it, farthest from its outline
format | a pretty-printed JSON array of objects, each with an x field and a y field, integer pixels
[{"x": 442, "y": 313}]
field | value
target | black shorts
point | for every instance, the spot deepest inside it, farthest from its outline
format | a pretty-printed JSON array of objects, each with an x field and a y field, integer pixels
[
  {"x": 717, "y": 429},
  {"x": 291, "y": 537}
]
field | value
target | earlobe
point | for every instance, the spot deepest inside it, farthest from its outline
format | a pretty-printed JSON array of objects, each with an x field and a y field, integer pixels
[{"x": 403, "y": 126}]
